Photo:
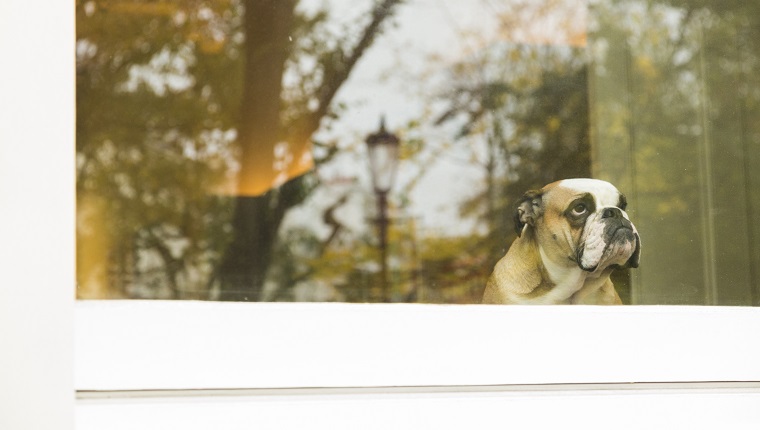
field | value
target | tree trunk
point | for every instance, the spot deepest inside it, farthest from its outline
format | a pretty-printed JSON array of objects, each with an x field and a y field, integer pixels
[
  {"x": 261, "y": 204},
  {"x": 243, "y": 270},
  {"x": 258, "y": 214}
]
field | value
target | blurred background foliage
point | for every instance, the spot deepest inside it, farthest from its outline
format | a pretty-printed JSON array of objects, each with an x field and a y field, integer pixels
[{"x": 643, "y": 93}]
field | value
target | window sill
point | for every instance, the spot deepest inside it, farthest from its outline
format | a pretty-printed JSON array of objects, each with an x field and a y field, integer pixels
[{"x": 157, "y": 345}]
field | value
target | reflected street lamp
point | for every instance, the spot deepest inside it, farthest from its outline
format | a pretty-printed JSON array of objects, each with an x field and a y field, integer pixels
[{"x": 383, "y": 159}]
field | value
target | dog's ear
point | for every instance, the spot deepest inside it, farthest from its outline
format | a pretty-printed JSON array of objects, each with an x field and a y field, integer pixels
[{"x": 528, "y": 209}]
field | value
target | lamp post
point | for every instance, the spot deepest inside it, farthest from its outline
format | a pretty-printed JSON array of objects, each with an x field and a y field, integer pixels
[{"x": 383, "y": 148}]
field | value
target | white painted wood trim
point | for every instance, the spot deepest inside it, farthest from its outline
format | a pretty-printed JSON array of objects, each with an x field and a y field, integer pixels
[
  {"x": 618, "y": 407},
  {"x": 138, "y": 345},
  {"x": 37, "y": 209}
]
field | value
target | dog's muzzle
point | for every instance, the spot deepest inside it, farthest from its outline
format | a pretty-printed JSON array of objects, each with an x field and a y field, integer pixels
[{"x": 612, "y": 240}]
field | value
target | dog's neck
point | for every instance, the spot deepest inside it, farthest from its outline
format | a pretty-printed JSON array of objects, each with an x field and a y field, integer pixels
[
  {"x": 561, "y": 275},
  {"x": 571, "y": 283},
  {"x": 527, "y": 275},
  {"x": 558, "y": 281}
]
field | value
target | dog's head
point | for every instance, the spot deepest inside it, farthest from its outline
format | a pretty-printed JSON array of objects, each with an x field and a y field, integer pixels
[{"x": 581, "y": 222}]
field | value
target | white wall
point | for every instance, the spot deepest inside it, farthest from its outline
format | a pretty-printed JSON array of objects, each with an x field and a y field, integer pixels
[{"x": 36, "y": 214}]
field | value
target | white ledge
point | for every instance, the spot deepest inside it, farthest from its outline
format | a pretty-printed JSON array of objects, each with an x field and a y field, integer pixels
[{"x": 139, "y": 345}]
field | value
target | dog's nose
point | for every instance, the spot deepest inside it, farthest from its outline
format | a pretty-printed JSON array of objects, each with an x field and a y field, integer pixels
[{"x": 612, "y": 213}]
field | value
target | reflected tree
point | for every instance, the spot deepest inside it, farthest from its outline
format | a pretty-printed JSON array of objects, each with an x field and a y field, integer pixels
[
  {"x": 267, "y": 122},
  {"x": 194, "y": 124},
  {"x": 675, "y": 100},
  {"x": 528, "y": 106},
  {"x": 153, "y": 137}
]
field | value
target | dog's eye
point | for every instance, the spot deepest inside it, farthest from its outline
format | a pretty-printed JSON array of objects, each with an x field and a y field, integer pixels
[{"x": 579, "y": 209}]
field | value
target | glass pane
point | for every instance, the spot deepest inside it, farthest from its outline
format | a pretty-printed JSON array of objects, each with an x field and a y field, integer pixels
[
  {"x": 675, "y": 97},
  {"x": 221, "y": 149}
]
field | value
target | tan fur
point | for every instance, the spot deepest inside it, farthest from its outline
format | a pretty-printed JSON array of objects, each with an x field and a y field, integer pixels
[
  {"x": 539, "y": 267},
  {"x": 515, "y": 274}
]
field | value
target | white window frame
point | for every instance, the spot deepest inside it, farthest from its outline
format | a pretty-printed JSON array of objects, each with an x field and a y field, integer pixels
[
  {"x": 309, "y": 365},
  {"x": 301, "y": 365},
  {"x": 144, "y": 345},
  {"x": 37, "y": 214}
]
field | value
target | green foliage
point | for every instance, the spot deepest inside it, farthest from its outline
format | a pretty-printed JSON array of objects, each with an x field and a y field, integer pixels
[
  {"x": 155, "y": 120},
  {"x": 159, "y": 103},
  {"x": 528, "y": 105},
  {"x": 673, "y": 102}
]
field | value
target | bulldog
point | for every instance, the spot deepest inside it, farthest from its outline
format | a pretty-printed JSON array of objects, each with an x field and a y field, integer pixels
[{"x": 571, "y": 235}]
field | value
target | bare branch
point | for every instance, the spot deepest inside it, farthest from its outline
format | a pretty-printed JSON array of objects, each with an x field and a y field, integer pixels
[{"x": 336, "y": 75}]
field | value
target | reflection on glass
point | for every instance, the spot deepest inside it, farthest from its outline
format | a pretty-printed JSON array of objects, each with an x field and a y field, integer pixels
[
  {"x": 221, "y": 154},
  {"x": 676, "y": 99}
]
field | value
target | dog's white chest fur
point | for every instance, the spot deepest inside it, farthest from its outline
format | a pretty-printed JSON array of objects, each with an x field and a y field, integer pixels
[{"x": 567, "y": 281}]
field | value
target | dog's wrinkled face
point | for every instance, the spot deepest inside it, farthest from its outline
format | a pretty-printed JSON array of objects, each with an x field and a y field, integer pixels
[{"x": 581, "y": 222}]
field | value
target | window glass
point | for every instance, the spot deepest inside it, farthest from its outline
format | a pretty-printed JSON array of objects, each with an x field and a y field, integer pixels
[{"x": 375, "y": 151}]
